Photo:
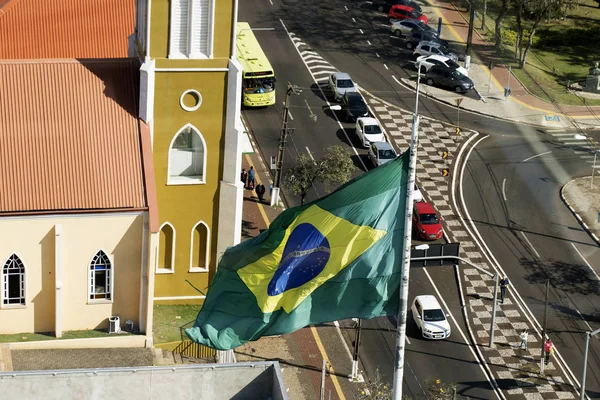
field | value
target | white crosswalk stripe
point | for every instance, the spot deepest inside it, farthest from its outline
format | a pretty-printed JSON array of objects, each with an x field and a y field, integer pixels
[
  {"x": 581, "y": 144},
  {"x": 318, "y": 66}
]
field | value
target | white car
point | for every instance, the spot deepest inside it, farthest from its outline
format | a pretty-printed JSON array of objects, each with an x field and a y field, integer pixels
[
  {"x": 369, "y": 131},
  {"x": 380, "y": 153},
  {"x": 430, "y": 318},
  {"x": 340, "y": 83},
  {"x": 417, "y": 195},
  {"x": 434, "y": 49},
  {"x": 427, "y": 62}
]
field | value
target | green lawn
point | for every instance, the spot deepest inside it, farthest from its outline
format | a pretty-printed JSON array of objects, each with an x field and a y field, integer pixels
[
  {"x": 34, "y": 337},
  {"x": 563, "y": 51},
  {"x": 169, "y": 318}
]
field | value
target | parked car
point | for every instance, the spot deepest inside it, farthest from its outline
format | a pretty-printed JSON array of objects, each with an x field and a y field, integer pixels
[
  {"x": 340, "y": 83},
  {"x": 403, "y": 27},
  {"x": 426, "y": 222},
  {"x": 385, "y": 5},
  {"x": 415, "y": 37},
  {"x": 449, "y": 78},
  {"x": 428, "y": 62},
  {"x": 429, "y": 317},
  {"x": 380, "y": 153},
  {"x": 369, "y": 131},
  {"x": 399, "y": 11},
  {"x": 354, "y": 105},
  {"x": 434, "y": 49},
  {"x": 417, "y": 195}
]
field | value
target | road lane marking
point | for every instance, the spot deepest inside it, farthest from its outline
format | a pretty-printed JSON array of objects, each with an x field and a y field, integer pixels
[
  {"x": 385, "y": 66},
  {"x": 271, "y": 1},
  {"x": 530, "y": 245},
  {"x": 377, "y": 54},
  {"x": 504, "y": 189},
  {"x": 325, "y": 97},
  {"x": 310, "y": 154},
  {"x": 537, "y": 155},
  {"x": 361, "y": 31},
  {"x": 396, "y": 79},
  {"x": 353, "y": 20},
  {"x": 586, "y": 261},
  {"x": 369, "y": 42},
  {"x": 332, "y": 374},
  {"x": 346, "y": 7}
]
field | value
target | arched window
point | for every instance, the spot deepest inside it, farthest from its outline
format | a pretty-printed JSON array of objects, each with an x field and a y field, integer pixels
[
  {"x": 101, "y": 277},
  {"x": 200, "y": 248},
  {"x": 13, "y": 281},
  {"x": 187, "y": 157},
  {"x": 166, "y": 248}
]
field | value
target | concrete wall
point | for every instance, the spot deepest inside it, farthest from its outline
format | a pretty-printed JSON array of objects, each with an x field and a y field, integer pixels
[
  {"x": 33, "y": 239},
  {"x": 207, "y": 381}
]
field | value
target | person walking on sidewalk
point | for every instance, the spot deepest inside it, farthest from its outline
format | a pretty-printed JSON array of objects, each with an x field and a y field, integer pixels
[
  {"x": 548, "y": 349},
  {"x": 524, "y": 335},
  {"x": 260, "y": 191},
  {"x": 244, "y": 176},
  {"x": 503, "y": 287},
  {"x": 251, "y": 177}
]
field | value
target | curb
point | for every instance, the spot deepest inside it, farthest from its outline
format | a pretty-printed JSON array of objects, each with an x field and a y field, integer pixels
[{"x": 579, "y": 219}]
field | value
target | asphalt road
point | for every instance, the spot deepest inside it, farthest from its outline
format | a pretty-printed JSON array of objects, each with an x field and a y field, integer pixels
[
  {"x": 425, "y": 360},
  {"x": 516, "y": 207}
]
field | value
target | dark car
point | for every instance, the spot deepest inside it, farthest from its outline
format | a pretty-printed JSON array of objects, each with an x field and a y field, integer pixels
[
  {"x": 399, "y": 11},
  {"x": 450, "y": 78},
  {"x": 354, "y": 105},
  {"x": 415, "y": 37},
  {"x": 385, "y": 5}
]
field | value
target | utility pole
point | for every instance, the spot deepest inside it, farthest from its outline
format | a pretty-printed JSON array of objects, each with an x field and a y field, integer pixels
[
  {"x": 470, "y": 35},
  {"x": 284, "y": 131},
  {"x": 404, "y": 274},
  {"x": 542, "y": 361}
]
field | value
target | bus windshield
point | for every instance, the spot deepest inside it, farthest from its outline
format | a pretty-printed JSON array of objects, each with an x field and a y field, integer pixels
[{"x": 259, "y": 85}]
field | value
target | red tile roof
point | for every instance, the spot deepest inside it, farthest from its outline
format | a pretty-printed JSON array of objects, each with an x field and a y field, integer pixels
[
  {"x": 38, "y": 29},
  {"x": 69, "y": 136}
]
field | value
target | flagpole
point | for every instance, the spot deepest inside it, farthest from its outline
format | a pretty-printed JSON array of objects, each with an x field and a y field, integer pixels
[{"x": 404, "y": 275}]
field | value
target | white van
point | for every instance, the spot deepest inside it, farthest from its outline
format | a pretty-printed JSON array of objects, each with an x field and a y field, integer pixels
[{"x": 430, "y": 318}]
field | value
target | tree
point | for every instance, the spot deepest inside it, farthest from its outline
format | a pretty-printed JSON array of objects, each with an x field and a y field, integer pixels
[
  {"x": 335, "y": 168},
  {"x": 499, "y": 21}
]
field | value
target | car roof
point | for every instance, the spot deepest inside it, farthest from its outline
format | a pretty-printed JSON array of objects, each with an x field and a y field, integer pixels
[
  {"x": 428, "y": 302},
  {"x": 342, "y": 75},
  {"x": 368, "y": 121},
  {"x": 402, "y": 7},
  {"x": 424, "y": 207},
  {"x": 383, "y": 146},
  {"x": 352, "y": 94},
  {"x": 431, "y": 43},
  {"x": 437, "y": 57}
]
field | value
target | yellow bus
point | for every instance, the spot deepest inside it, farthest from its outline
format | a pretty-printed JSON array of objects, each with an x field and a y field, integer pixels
[{"x": 258, "y": 79}]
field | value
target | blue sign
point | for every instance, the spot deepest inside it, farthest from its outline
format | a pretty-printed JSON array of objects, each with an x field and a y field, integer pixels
[{"x": 554, "y": 118}]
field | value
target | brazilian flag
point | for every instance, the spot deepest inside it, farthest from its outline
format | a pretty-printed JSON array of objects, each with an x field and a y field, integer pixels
[{"x": 337, "y": 257}]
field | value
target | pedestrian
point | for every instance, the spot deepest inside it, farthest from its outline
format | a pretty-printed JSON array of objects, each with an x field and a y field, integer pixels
[
  {"x": 548, "y": 349},
  {"x": 260, "y": 191},
  {"x": 244, "y": 176},
  {"x": 251, "y": 177},
  {"x": 503, "y": 287},
  {"x": 524, "y": 335}
]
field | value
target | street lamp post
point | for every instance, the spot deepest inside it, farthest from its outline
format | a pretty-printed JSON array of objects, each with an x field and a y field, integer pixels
[
  {"x": 291, "y": 89},
  {"x": 588, "y": 335},
  {"x": 253, "y": 29}
]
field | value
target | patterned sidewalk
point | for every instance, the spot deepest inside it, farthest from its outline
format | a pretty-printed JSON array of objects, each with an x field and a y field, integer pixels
[{"x": 5, "y": 359}]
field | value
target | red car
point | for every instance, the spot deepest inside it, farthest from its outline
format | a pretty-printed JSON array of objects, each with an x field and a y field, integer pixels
[
  {"x": 426, "y": 222},
  {"x": 399, "y": 11}
]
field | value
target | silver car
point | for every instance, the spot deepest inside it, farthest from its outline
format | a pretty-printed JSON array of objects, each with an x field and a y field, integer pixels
[
  {"x": 434, "y": 49},
  {"x": 405, "y": 26},
  {"x": 381, "y": 152},
  {"x": 340, "y": 83}
]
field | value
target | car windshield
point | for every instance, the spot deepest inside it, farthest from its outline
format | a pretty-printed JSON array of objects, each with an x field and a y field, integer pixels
[
  {"x": 425, "y": 27},
  {"x": 428, "y": 219},
  {"x": 345, "y": 83},
  {"x": 457, "y": 73},
  {"x": 372, "y": 129},
  {"x": 433, "y": 315},
  {"x": 386, "y": 154}
]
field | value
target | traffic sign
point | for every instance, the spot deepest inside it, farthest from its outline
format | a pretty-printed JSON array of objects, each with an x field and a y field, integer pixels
[
  {"x": 458, "y": 101},
  {"x": 457, "y": 130},
  {"x": 444, "y": 154},
  {"x": 445, "y": 172}
]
